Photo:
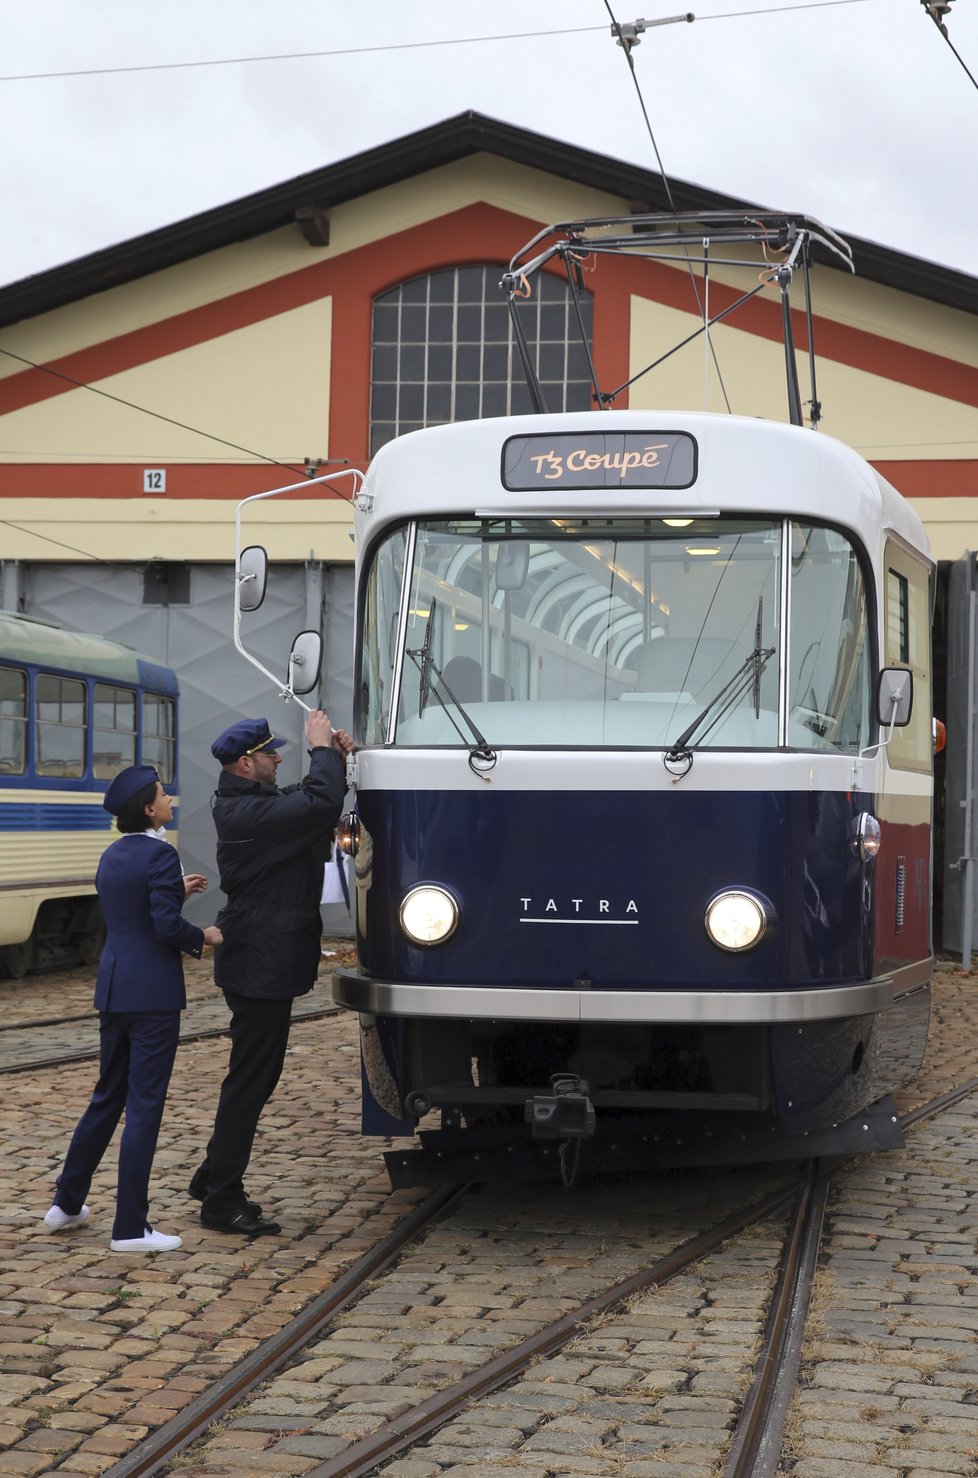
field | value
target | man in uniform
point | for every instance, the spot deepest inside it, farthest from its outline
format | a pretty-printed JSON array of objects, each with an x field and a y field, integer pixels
[{"x": 271, "y": 849}]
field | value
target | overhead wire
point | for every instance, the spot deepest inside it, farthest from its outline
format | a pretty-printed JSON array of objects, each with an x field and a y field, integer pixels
[
  {"x": 626, "y": 48},
  {"x": 127, "y": 458},
  {"x": 35, "y": 534},
  {"x": 943, "y": 31},
  {"x": 157, "y": 415},
  {"x": 289, "y": 56}
]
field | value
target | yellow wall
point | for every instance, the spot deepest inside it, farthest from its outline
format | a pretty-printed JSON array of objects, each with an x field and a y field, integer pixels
[
  {"x": 951, "y": 523},
  {"x": 264, "y": 387},
  {"x": 120, "y": 529},
  {"x": 881, "y": 419}
]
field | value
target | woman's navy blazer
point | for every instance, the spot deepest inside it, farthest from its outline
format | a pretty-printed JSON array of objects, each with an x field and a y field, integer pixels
[{"x": 140, "y": 887}]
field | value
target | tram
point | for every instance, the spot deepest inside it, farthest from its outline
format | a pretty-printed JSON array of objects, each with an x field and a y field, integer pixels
[
  {"x": 74, "y": 711},
  {"x": 643, "y": 792}
]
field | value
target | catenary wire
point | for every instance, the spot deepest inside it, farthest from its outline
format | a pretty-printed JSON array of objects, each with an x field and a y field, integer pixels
[
  {"x": 127, "y": 458},
  {"x": 943, "y": 31},
  {"x": 727, "y": 15},
  {"x": 81, "y": 385},
  {"x": 158, "y": 415},
  {"x": 616, "y": 30},
  {"x": 289, "y": 56},
  {"x": 35, "y": 534}
]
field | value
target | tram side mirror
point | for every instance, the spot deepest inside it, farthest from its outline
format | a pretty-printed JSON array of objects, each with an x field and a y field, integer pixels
[
  {"x": 252, "y": 577},
  {"x": 894, "y": 697},
  {"x": 305, "y": 660},
  {"x": 512, "y": 564}
]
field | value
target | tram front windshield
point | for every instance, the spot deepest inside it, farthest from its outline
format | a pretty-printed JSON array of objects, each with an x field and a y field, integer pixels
[{"x": 616, "y": 633}]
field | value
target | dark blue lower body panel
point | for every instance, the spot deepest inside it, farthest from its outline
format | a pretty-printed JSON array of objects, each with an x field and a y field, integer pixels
[{"x": 603, "y": 891}]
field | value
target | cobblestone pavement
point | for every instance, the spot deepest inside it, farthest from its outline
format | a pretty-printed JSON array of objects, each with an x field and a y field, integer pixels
[
  {"x": 98, "y": 1348},
  {"x": 65, "y": 999}
]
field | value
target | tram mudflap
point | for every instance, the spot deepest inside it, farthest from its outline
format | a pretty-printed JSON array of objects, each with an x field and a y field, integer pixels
[{"x": 652, "y": 1142}]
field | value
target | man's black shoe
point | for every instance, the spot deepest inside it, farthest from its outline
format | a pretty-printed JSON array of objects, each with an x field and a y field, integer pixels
[
  {"x": 198, "y": 1189},
  {"x": 241, "y": 1224}
]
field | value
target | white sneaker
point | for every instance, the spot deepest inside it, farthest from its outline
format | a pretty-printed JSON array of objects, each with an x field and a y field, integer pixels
[
  {"x": 150, "y": 1241},
  {"x": 56, "y": 1219}
]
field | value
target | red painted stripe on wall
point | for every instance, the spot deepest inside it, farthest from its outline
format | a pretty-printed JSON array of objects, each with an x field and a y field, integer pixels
[
  {"x": 932, "y": 479},
  {"x": 928, "y": 479},
  {"x": 858, "y": 348},
  {"x": 183, "y": 481}
]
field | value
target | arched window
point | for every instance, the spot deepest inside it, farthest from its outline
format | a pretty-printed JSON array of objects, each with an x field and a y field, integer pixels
[{"x": 443, "y": 350}]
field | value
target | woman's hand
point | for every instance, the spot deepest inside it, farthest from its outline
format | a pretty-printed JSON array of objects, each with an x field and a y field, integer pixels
[
  {"x": 193, "y": 882},
  {"x": 212, "y": 936}
]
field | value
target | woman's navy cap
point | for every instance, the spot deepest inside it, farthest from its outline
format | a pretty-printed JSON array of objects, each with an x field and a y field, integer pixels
[
  {"x": 127, "y": 784},
  {"x": 247, "y": 736}
]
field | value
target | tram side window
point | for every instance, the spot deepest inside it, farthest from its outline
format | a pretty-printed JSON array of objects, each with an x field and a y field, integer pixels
[
  {"x": 897, "y": 617},
  {"x": 381, "y": 606},
  {"x": 13, "y": 721},
  {"x": 114, "y": 730},
  {"x": 160, "y": 735},
  {"x": 830, "y": 680},
  {"x": 907, "y": 628},
  {"x": 61, "y": 714}
]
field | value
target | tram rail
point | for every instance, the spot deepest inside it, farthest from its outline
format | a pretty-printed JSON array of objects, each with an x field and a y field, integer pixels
[
  {"x": 23, "y": 1026},
  {"x": 65, "y": 1059},
  {"x": 755, "y": 1451},
  {"x": 755, "y": 1447},
  {"x": 157, "y": 1450}
]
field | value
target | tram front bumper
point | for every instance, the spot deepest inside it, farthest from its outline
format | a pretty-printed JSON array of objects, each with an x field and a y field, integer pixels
[{"x": 373, "y": 997}]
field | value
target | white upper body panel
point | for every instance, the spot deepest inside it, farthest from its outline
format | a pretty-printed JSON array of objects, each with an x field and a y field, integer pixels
[{"x": 744, "y": 465}]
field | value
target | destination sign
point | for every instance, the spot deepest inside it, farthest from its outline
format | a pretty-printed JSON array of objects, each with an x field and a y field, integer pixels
[{"x": 623, "y": 459}]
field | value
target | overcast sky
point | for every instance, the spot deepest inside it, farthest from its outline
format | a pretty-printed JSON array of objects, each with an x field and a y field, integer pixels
[{"x": 855, "y": 112}]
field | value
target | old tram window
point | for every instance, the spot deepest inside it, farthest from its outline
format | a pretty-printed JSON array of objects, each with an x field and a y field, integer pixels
[
  {"x": 159, "y": 734},
  {"x": 13, "y": 721},
  {"x": 61, "y": 713},
  {"x": 113, "y": 730}
]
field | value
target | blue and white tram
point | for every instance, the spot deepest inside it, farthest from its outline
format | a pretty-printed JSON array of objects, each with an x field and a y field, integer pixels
[
  {"x": 74, "y": 711},
  {"x": 644, "y": 786}
]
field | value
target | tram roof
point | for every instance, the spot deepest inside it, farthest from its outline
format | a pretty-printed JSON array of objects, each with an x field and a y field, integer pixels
[
  {"x": 742, "y": 465},
  {"x": 41, "y": 643}
]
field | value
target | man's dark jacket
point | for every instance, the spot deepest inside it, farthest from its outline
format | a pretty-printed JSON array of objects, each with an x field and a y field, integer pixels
[{"x": 272, "y": 846}]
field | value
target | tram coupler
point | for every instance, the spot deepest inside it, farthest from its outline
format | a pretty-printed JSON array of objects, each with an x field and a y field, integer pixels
[{"x": 567, "y": 1113}]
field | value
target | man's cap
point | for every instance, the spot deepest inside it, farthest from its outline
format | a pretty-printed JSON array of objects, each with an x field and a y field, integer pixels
[
  {"x": 247, "y": 736},
  {"x": 127, "y": 783}
]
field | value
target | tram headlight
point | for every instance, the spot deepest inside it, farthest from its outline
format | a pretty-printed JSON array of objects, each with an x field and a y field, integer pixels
[
  {"x": 348, "y": 833},
  {"x": 429, "y": 915},
  {"x": 737, "y": 920},
  {"x": 866, "y": 836}
]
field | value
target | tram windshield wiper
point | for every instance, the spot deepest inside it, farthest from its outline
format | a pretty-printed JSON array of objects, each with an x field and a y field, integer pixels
[
  {"x": 747, "y": 677},
  {"x": 482, "y": 756}
]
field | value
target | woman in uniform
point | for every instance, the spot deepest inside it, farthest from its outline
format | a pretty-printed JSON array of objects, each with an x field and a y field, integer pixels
[{"x": 139, "y": 994}]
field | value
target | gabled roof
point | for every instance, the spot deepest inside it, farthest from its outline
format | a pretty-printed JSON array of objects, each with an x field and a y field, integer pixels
[{"x": 409, "y": 156}]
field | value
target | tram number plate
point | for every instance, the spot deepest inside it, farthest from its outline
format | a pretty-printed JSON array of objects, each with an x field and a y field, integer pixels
[{"x": 624, "y": 459}]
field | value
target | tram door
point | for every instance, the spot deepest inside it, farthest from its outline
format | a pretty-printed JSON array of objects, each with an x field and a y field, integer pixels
[{"x": 903, "y": 867}]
